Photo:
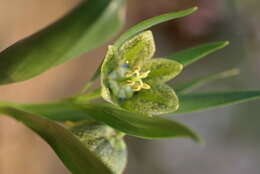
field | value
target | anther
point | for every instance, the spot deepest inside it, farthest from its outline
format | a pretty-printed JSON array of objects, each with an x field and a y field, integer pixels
[
  {"x": 136, "y": 69},
  {"x": 136, "y": 88},
  {"x": 144, "y": 74},
  {"x": 128, "y": 74},
  {"x": 130, "y": 82},
  {"x": 146, "y": 86}
]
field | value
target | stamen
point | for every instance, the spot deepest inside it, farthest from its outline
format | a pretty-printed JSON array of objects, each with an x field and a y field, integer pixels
[
  {"x": 146, "y": 86},
  {"x": 144, "y": 74},
  {"x": 128, "y": 74},
  {"x": 136, "y": 69},
  {"x": 130, "y": 82},
  {"x": 136, "y": 87}
]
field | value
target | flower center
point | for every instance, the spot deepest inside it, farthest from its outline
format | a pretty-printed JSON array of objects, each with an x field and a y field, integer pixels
[{"x": 135, "y": 79}]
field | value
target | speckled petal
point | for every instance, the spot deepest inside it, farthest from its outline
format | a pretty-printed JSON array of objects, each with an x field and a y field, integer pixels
[
  {"x": 109, "y": 64},
  {"x": 138, "y": 49},
  {"x": 161, "y": 70},
  {"x": 160, "y": 99}
]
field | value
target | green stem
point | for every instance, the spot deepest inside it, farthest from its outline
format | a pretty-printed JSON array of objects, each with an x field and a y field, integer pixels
[
  {"x": 90, "y": 96},
  {"x": 91, "y": 82}
]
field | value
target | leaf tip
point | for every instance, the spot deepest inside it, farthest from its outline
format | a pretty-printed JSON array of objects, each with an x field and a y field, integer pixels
[
  {"x": 195, "y": 8},
  {"x": 226, "y": 43}
]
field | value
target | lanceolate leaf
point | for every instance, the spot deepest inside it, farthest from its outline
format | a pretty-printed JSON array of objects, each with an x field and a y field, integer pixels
[
  {"x": 194, "y": 84},
  {"x": 136, "y": 124},
  {"x": 86, "y": 27},
  {"x": 71, "y": 151},
  {"x": 197, "y": 102},
  {"x": 192, "y": 55},
  {"x": 62, "y": 111},
  {"x": 151, "y": 22},
  {"x": 127, "y": 122}
]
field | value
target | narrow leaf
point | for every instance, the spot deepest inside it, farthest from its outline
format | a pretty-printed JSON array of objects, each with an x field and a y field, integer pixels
[
  {"x": 197, "y": 102},
  {"x": 192, "y": 55},
  {"x": 197, "y": 83},
  {"x": 151, "y": 22},
  {"x": 70, "y": 150},
  {"x": 78, "y": 32},
  {"x": 130, "y": 123},
  {"x": 136, "y": 124}
]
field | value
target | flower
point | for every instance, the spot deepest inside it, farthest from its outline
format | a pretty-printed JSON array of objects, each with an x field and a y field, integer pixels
[{"x": 133, "y": 81}]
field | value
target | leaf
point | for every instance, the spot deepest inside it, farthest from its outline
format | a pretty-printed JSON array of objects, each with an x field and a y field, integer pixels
[
  {"x": 151, "y": 22},
  {"x": 78, "y": 32},
  {"x": 194, "y": 84},
  {"x": 138, "y": 49},
  {"x": 128, "y": 122},
  {"x": 197, "y": 102},
  {"x": 136, "y": 124},
  {"x": 161, "y": 70},
  {"x": 160, "y": 99},
  {"x": 75, "y": 156},
  {"x": 192, "y": 55}
]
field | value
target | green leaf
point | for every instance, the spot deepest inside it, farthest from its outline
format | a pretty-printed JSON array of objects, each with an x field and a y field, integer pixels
[
  {"x": 197, "y": 102},
  {"x": 192, "y": 55},
  {"x": 128, "y": 122},
  {"x": 161, "y": 70},
  {"x": 160, "y": 99},
  {"x": 78, "y": 32},
  {"x": 151, "y": 22},
  {"x": 70, "y": 150},
  {"x": 138, "y": 49},
  {"x": 61, "y": 111},
  {"x": 136, "y": 124},
  {"x": 197, "y": 83}
]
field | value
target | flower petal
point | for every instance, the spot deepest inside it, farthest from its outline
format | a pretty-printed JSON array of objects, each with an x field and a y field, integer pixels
[
  {"x": 109, "y": 64},
  {"x": 160, "y": 99},
  {"x": 161, "y": 70},
  {"x": 138, "y": 49}
]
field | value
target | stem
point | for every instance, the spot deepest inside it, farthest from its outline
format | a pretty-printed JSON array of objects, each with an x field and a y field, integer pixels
[
  {"x": 91, "y": 82},
  {"x": 90, "y": 96}
]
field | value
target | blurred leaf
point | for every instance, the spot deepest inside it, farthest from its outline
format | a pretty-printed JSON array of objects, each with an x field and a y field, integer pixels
[
  {"x": 70, "y": 150},
  {"x": 151, "y": 22},
  {"x": 192, "y": 55},
  {"x": 130, "y": 123},
  {"x": 194, "y": 84},
  {"x": 78, "y": 32},
  {"x": 197, "y": 102}
]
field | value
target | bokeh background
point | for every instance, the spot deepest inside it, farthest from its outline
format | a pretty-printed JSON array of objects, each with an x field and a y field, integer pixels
[{"x": 232, "y": 134}]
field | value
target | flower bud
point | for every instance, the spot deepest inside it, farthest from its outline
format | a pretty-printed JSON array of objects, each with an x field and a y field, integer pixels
[{"x": 105, "y": 142}]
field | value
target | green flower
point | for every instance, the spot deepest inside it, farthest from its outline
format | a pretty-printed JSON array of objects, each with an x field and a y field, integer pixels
[{"x": 135, "y": 82}]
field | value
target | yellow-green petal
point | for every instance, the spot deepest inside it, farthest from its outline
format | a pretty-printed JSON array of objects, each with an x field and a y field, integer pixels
[
  {"x": 161, "y": 70},
  {"x": 109, "y": 64},
  {"x": 138, "y": 49},
  {"x": 160, "y": 99}
]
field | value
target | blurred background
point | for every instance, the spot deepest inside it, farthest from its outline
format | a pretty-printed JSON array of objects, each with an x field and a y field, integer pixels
[{"x": 232, "y": 134}]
